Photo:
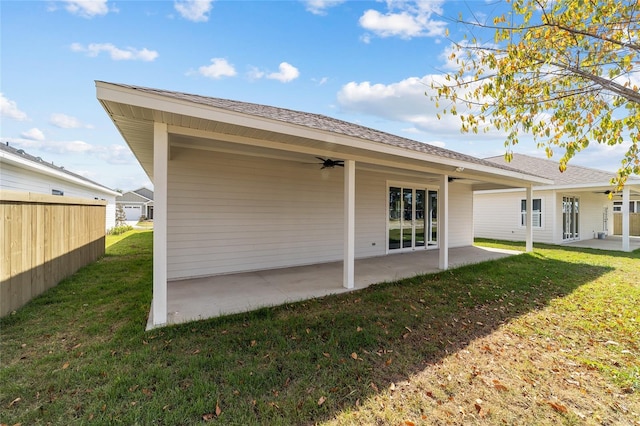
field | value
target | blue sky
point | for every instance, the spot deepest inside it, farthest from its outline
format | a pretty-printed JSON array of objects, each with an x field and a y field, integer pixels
[{"x": 368, "y": 62}]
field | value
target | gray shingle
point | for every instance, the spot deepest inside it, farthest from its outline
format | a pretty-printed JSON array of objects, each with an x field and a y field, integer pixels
[
  {"x": 318, "y": 122},
  {"x": 549, "y": 169}
]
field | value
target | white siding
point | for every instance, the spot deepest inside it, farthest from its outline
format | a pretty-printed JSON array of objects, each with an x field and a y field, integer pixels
[
  {"x": 17, "y": 178},
  {"x": 497, "y": 215},
  {"x": 460, "y": 215},
  {"x": 230, "y": 213}
]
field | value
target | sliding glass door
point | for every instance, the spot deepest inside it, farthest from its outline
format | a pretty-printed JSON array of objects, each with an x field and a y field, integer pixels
[
  {"x": 412, "y": 218},
  {"x": 570, "y": 218}
]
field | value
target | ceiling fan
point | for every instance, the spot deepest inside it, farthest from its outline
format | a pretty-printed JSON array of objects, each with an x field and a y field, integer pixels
[{"x": 328, "y": 163}]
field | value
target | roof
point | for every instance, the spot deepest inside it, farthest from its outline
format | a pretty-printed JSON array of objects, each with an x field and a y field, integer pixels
[
  {"x": 132, "y": 196},
  {"x": 196, "y": 121},
  {"x": 145, "y": 192},
  {"x": 38, "y": 162},
  {"x": 316, "y": 121},
  {"x": 549, "y": 169}
]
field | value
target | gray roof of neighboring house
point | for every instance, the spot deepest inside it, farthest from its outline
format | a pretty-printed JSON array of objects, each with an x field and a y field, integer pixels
[
  {"x": 145, "y": 192},
  {"x": 37, "y": 160},
  {"x": 550, "y": 169},
  {"x": 319, "y": 122},
  {"x": 132, "y": 196}
]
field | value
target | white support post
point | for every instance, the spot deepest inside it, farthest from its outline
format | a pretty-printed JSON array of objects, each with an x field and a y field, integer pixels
[
  {"x": 443, "y": 222},
  {"x": 529, "y": 216},
  {"x": 160, "y": 168},
  {"x": 349, "y": 223},
  {"x": 625, "y": 219}
]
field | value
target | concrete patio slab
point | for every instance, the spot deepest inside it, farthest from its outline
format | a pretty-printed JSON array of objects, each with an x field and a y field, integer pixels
[
  {"x": 612, "y": 242},
  {"x": 208, "y": 297}
]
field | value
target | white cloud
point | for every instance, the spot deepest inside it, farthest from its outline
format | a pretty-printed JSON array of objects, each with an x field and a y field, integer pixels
[
  {"x": 33, "y": 134},
  {"x": 286, "y": 74},
  {"x": 9, "y": 108},
  {"x": 112, "y": 154},
  {"x": 87, "y": 8},
  {"x": 117, "y": 54},
  {"x": 219, "y": 68},
  {"x": 405, "y": 19},
  {"x": 406, "y": 101},
  {"x": 255, "y": 73},
  {"x": 194, "y": 10},
  {"x": 319, "y": 7},
  {"x": 67, "y": 122}
]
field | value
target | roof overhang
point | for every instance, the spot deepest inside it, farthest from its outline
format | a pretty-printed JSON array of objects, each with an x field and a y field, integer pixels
[
  {"x": 195, "y": 126},
  {"x": 9, "y": 158}
]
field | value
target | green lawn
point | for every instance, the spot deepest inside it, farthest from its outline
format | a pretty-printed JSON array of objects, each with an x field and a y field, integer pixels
[{"x": 551, "y": 337}]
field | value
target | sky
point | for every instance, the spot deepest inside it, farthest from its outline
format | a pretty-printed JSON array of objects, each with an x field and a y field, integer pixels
[{"x": 366, "y": 62}]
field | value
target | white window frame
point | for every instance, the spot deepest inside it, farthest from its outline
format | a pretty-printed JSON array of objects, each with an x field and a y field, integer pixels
[{"x": 538, "y": 213}]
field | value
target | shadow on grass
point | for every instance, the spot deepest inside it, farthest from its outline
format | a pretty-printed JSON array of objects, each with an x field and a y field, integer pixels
[{"x": 298, "y": 363}]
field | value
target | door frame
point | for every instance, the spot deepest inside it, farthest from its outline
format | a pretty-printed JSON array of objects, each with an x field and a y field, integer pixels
[
  {"x": 574, "y": 224},
  {"x": 427, "y": 228}
]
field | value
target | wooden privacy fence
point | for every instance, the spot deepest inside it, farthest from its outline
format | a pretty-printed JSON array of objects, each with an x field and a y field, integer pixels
[
  {"x": 45, "y": 238},
  {"x": 634, "y": 224}
]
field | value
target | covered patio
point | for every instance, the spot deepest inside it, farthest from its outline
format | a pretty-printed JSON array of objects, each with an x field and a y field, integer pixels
[
  {"x": 611, "y": 242},
  {"x": 241, "y": 187},
  {"x": 214, "y": 296}
]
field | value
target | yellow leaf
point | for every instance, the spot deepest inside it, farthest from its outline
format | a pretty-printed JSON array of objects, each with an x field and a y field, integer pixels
[
  {"x": 65, "y": 366},
  {"x": 354, "y": 355}
]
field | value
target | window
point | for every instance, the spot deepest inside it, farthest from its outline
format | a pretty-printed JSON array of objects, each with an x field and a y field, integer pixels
[
  {"x": 634, "y": 206},
  {"x": 57, "y": 192},
  {"x": 537, "y": 213}
]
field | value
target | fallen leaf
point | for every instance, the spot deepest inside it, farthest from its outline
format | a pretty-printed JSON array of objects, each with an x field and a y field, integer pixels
[
  {"x": 208, "y": 417},
  {"x": 218, "y": 409},
  {"x": 558, "y": 407},
  {"x": 253, "y": 343},
  {"x": 321, "y": 400},
  {"x": 388, "y": 362},
  {"x": 354, "y": 355},
  {"x": 358, "y": 328},
  {"x": 499, "y": 386},
  {"x": 15, "y": 401},
  {"x": 374, "y": 387},
  {"x": 326, "y": 354},
  {"x": 478, "y": 407},
  {"x": 65, "y": 366},
  {"x": 409, "y": 423}
]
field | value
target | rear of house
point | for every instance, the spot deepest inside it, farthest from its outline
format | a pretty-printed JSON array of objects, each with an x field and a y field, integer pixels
[{"x": 577, "y": 206}]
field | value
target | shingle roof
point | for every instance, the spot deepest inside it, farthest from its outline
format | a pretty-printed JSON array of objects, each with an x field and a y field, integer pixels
[
  {"x": 37, "y": 160},
  {"x": 319, "y": 122},
  {"x": 546, "y": 168}
]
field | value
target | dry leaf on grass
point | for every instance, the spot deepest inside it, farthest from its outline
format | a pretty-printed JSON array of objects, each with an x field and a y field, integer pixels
[{"x": 321, "y": 400}]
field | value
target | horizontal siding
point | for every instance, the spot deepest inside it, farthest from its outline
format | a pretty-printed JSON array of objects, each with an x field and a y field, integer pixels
[
  {"x": 18, "y": 179},
  {"x": 497, "y": 215},
  {"x": 232, "y": 213},
  {"x": 460, "y": 215}
]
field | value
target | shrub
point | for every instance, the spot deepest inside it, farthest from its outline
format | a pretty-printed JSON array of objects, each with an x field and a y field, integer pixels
[{"x": 117, "y": 230}]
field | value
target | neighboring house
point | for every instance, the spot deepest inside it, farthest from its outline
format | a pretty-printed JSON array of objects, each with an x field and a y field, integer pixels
[
  {"x": 20, "y": 171},
  {"x": 246, "y": 187},
  {"x": 575, "y": 207},
  {"x": 137, "y": 204}
]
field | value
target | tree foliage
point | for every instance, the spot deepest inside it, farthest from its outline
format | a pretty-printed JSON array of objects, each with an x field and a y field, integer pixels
[{"x": 564, "y": 71}]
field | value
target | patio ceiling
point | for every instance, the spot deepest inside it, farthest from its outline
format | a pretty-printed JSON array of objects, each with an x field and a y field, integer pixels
[{"x": 193, "y": 125}]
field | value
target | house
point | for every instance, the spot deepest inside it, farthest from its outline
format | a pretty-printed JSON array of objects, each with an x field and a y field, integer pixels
[
  {"x": 136, "y": 204},
  {"x": 22, "y": 172},
  {"x": 575, "y": 207},
  {"x": 245, "y": 187}
]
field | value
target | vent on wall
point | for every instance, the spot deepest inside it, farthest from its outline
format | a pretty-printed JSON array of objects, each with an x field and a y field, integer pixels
[{"x": 57, "y": 192}]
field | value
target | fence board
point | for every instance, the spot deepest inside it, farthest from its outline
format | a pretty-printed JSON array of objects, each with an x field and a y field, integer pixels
[
  {"x": 634, "y": 224},
  {"x": 44, "y": 240}
]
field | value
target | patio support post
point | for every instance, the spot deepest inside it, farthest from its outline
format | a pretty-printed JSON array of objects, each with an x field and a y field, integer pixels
[
  {"x": 160, "y": 166},
  {"x": 625, "y": 219},
  {"x": 529, "y": 215},
  {"x": 349, "y": 223},
  {"x": 443, "y": 222}
]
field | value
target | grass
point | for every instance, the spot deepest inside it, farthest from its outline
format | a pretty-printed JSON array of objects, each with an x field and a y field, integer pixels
[{"x": 550, "y": 337}]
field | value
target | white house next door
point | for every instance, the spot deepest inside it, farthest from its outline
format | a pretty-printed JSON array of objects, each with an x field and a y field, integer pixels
[
  {"x": 412, "y": 218},
  {"x": 570, "y": 218}
]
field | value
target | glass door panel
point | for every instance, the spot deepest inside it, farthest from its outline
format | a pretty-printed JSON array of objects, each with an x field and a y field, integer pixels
[
  {"x": 433, "y": 218},
  {"x": 407, "y": 218},
  {"x": 420, "y": 218},
  {"x": 395, "y": 215},
  {"x": 570, "y": 218}
]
